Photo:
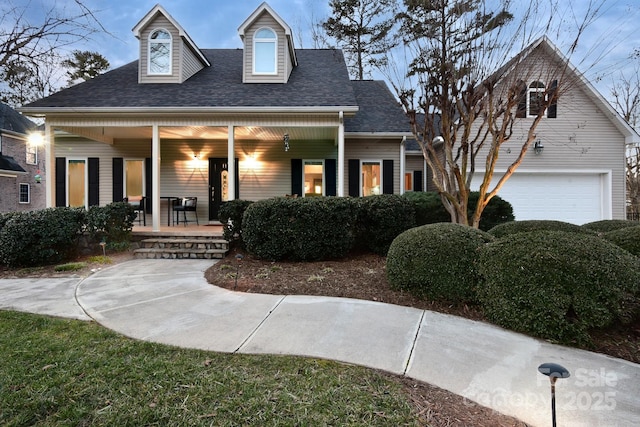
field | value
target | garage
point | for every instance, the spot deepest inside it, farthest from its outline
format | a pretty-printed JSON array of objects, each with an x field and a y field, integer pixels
[{"x": 573, "y": 197}]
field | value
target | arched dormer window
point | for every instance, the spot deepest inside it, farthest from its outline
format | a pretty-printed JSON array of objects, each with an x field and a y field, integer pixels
[
  {"x": 535, "y": 98},
  {"x": 265, "y": 44},
  {"x": 160, "y": 52}
]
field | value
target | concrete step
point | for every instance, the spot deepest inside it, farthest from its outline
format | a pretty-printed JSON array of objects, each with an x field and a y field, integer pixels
[
  {"x": 176, "y": 253},
  {"x": 183, "y": 247}
]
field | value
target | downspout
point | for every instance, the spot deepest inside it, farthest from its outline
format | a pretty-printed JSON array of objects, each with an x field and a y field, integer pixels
[
  {"x": 403, "y": 155},
  {"x": 341, "y": 154}
]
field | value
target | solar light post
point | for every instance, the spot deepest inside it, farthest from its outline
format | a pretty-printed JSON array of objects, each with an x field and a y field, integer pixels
[
  {"x": 553, "y": 371},
  {"x": 238, "y": 258}
]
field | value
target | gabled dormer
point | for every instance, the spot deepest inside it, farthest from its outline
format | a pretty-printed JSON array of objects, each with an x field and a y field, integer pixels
[
  {"x": 269, "y": 53},
  {"x": 167, "y": 53}
]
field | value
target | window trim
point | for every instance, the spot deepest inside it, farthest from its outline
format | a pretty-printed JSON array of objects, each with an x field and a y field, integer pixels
[
  {"x": 28, "y": 148},
  {"x": 124, "y": 175},
  {"x": 85, "y": 160},
  {"x": 28, "y": 187},
  {"x": 164, "y": 41},
  {"x": 273, "y": 41},
  {"x": 324, "y": 179},
  {"x": 537, "y": 87},
  {"x": 380, "y": 184}
]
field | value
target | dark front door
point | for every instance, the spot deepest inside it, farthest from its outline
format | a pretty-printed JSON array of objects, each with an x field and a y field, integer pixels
[{"x": 219, "y": 184}]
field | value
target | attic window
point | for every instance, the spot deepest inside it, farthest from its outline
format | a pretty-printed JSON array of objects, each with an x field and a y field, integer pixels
[
  {"x": 265, "y": 42},
  {"x": 160, "y": 52},
  {"x": 535, "y": 98}
]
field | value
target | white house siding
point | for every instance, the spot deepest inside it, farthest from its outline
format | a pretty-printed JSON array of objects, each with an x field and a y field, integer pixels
[
  {"x": 415, "y": 162},
  {"x": 160, "y": 22},
  {"x": 364, "y": 149},
  {"x": 190, "y": 62},
  {"x": 265, "y": 20}
]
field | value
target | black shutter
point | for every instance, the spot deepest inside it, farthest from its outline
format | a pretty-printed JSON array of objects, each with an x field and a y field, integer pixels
[
  {"x": 330, "y": 177},
  {"x": 237, "y": 186},
  {"x": 148, "y": 184},
  {"x": 94, "y": 181},
  {"x": 417, "y": 181},
  {"x": 387, "y": 176},
  {"x": 61, "y": 181},
  {"x": 296, "y": 177},
  {"x": 354, "y": 177},
  {"x": 117, "y": 179},
  {"x": 552, "y": 111},
  {"x": 521, "y": 112}
]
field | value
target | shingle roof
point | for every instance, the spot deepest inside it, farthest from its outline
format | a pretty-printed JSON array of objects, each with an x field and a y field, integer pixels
[
  {"x": 379, "y": 110},
  {"x": 13, "y": 121},
  {"x": 9, "y": 164},
  {"x": 321, "y": 79}
]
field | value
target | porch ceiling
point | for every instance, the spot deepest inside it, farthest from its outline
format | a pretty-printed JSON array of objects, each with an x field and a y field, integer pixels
[{"x": 205, "y": 132}]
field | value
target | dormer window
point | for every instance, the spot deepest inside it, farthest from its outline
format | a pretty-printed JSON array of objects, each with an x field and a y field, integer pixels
[
  {"x": 265, "y": 43},
  {"x": 160, "y": 52}
]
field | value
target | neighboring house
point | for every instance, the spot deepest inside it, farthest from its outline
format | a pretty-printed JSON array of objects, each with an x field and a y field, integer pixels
[
  {"x": 577, "y": 174},
  {"x": 167, "y": 124},
  {"x": 21, "y": 164}
]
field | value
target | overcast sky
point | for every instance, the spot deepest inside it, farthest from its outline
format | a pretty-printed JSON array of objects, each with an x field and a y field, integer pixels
[{"x": 603, "y": 51}]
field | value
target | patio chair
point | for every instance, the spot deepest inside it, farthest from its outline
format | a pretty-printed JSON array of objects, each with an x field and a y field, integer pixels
[
  {"x": 184, "y": 205},
  {"x": 138, "y": 203}
]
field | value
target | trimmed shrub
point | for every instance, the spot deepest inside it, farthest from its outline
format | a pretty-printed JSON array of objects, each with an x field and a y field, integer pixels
[
  {"x": 607, "y": 225},
  {"x": 111, "y": 223},
  {"x": 230, "y": 215},
  {"x": 557, "y": 285},
  {"x": 430, "y": 210},
  {"x": 41, "y": 237},
  {"x": 627, "y": 238},
  {"x": 381, "y": 218},
  {"x": 304, "y": 229},
  {"x": 515, "y": 227},
  {"x": 437, "y": 261}
]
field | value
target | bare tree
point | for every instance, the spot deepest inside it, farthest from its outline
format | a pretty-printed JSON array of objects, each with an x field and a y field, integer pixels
[{"x": 470, "y": 95}]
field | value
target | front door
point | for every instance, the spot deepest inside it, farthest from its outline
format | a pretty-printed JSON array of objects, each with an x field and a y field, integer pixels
[{"x": 219, "y": 184}]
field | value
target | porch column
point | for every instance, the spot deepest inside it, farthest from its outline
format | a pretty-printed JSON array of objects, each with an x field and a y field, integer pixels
[
  {"x": 340, "y": 192},
  {"x": 403, "y": 166},
  {"x": 231, "y": 164},
  {"x": 49, "y": 165},
  {"x": 155, "y": 177}
]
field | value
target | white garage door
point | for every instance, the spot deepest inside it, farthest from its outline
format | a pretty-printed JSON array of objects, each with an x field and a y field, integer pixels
[{"x": 575, "y": 198}]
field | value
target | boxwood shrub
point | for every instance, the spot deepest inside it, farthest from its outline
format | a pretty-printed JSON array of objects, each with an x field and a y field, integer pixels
[
  {"x": 607, "y": 225},
  {"x": 514, "y": 227},
  {"x": 381, "y": 218},
  {"x": 230, "y": 215},
  {"x": 41, "y": 237},
  {"x": 430, "y": 210},
  {"x": 626, "y": 238},
  {"x": 303, "y": 229},
  {"x": 437, "y": 261},
  {"x": 111, "y": 223},
  {"x": 556, "y": 285}
]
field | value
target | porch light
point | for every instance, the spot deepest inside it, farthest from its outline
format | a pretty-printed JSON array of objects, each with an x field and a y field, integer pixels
[
  {"x": 35, "y": 139},
  {"x": 285, "y": 138},
  {"x": 538, "y": 147},
  {"x": 553, "y": 371}
]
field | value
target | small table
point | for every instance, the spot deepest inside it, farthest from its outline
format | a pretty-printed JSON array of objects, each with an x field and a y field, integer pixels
[{"x": 169, "y": 199}]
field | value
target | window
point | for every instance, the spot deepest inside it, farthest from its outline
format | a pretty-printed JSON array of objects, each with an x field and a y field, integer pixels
[
  {"x": 134, "y": 178},
  {"x": 535, "y": 98},
  {"x": 25, "y": 193},
  {"x": 265, "y": 44},
  {"x": 76, "y": 183},
  {"x": 313, "y": 178},
  {"x": 160, "y": 52},
  {"x": 371, "y": 178},
  {"x": 32, "y": 154}
]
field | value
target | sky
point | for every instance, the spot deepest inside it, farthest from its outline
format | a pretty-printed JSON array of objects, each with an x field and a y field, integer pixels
[{"x": 603, "y": 51}]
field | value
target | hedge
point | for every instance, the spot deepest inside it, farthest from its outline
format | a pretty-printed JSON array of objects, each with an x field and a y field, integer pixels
[
  {"x": 626, "y": 238},
  {"x": 526, "y": 226},
  {"x": 607, "y": 225}
]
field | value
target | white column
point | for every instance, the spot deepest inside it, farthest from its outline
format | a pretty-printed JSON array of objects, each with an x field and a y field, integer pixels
[
  {"x": 402, "y": 163},
  {"x": 49, "y": 166},
  {"x": 155, "y": 177},
  {"x": 340, "y": 192},
  {"x": 231, "y": 164}
]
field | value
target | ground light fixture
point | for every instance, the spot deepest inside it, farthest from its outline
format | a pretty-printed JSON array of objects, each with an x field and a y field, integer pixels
[
  {"x": 553, "y": 371},
  {"x": 239, "y": 259}
]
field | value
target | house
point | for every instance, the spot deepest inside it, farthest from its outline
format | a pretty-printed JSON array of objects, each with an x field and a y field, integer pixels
[
  {"x": 21, "y": 163},
  {"x": 221, "y": 124},
  {"x": 575, "y": 170}
]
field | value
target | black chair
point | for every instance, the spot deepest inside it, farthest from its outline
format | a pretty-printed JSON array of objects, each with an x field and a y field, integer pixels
[
  {"x": 184, "y": 205},
  {"x": 138, "y": 203}
]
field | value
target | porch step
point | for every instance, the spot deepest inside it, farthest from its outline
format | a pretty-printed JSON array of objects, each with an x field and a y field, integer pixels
[{"x": 195, "y": 247}]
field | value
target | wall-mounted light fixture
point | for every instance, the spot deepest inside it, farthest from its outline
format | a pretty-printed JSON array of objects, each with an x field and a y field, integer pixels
[
  {"x": 285, "y": 138},
  {"x": 538, "y": 147}
]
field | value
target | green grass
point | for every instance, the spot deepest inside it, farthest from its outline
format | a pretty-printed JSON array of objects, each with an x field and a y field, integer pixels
[
  {"x": 56, "y": 372},
  {"x": 70, "y": 266}
]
